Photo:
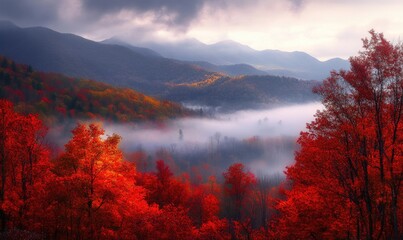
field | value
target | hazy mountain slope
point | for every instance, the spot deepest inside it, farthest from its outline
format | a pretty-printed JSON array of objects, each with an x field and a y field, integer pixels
[
  {"x": 48, "y": 50},
  {"x": 230, "y": 70},
  {"x": 244, "y": 92},
  {"x": 295, "y": 64}
]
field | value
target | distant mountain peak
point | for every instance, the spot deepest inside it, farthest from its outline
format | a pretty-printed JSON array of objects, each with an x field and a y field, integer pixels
[
  {"x": 337, "y": 59},
  {"x": 227, "y": 42},
  {"x": 231, "y": 44}
]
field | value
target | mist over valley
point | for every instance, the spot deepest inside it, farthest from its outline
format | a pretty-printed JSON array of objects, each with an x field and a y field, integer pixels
[{"x": 262, "y": 139}]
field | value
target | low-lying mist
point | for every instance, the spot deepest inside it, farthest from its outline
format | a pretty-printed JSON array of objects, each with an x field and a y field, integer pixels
[{"x": 264, "y": 140}]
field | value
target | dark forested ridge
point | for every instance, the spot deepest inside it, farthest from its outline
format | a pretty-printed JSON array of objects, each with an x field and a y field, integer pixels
[{"x": 55, "y": 96}]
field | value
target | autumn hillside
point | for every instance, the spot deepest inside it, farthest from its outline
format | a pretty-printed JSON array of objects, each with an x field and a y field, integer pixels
[{"x": 59, "y": 97}]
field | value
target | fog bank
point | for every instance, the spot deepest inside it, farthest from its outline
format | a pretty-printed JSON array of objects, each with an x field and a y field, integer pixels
[
  {"x": 284, "y": 121},
  {"x": 262, "y": 139}
]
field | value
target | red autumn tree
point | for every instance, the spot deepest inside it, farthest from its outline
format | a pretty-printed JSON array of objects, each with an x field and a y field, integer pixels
[
  {"x": 95, "y": 195},
  {"x": 238, "y": 186},
  {"x": 163, "y": 188},
  {"x": 238, "y": 191},
  {"x": 215, "y": 229},
  {"x": 203, "y": 206},
  {"x": 348, "y": 174},
  {"x": 24, "y": 168}
]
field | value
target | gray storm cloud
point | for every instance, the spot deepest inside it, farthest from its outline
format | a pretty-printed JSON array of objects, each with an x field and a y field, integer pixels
[
  {"x": 176, "y": 14},
  {"x": 28, "y": 11},
  {"x": 170, "y": 12}
]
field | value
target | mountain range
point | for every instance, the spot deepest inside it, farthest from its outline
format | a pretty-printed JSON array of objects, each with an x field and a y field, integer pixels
[
  {"x": 51, "y": 51},
  {"x": 226, "y": 53},
  {"x": 145, "y": 70}
]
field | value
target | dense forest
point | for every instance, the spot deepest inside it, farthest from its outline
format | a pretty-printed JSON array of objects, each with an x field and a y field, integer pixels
[
  {"x": 89, "y": 191},
  {"x": 345, "y": 183}
]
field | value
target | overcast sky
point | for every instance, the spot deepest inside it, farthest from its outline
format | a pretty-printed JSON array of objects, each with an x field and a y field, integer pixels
[{"x": 322, "y": 28}]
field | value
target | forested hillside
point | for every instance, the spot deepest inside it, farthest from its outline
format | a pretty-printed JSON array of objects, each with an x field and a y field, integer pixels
[{"x": 58, "y": 97}]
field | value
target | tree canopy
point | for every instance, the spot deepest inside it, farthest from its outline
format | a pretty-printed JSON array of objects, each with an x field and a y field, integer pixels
[{"x": 346, "y": 182}]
